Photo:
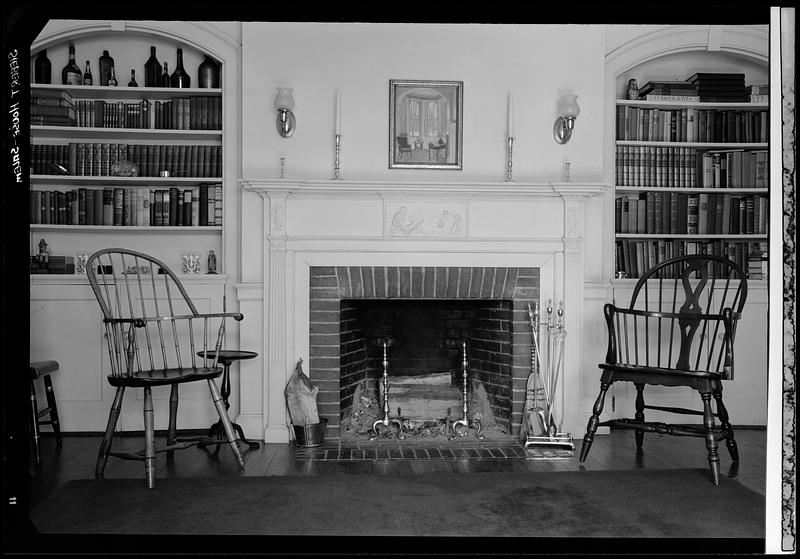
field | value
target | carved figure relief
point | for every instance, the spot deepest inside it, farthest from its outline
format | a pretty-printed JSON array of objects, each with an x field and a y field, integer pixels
[
  {"x": 408, "y": 222},
  {"x": 449, "y": 223}
]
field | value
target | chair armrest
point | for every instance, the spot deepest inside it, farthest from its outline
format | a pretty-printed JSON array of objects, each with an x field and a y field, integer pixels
[
  {"x": 237, "y": 316},
  {"x": 611, "y": 351},
  {"x": 617, "y": 318},
  {"x": 729, "y": 318}
]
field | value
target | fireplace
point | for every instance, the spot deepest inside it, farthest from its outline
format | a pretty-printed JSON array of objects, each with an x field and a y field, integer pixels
[
  {"x": 320, "y": 249},
  {"x": 429, "y": 311}
]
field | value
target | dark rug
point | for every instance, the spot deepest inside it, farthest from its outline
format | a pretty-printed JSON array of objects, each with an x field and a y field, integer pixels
[{"x": 630, "y": 504}]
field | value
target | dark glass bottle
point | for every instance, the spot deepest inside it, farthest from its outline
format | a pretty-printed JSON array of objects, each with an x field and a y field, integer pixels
[
  {"x": 179, "y": 77},
  {"x": 87, "y": 75},
  {"x": 71, "y": 74},
  {"x": 208, "y": 73},
  {"x": 42, "y": 68},
  {"x": 152, "y": 70},
  {"x": 165, "y": 77},
  {"x": 112, "y": 79},
  {"x": 133, "y": 83},
  {"x": 106, "y": 66}
]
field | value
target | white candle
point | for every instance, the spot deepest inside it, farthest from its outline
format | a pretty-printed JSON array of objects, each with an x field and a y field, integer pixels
[
  {"x": 338, "y": 111},
  {"x": 510, "y": 116}
]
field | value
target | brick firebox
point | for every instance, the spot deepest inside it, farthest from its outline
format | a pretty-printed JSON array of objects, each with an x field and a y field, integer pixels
[{"x": 498, "y": 291}]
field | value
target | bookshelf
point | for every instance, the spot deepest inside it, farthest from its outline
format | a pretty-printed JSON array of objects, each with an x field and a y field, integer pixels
[
  {"x": 690, "y": 177},
  {"x": 58, "y": 299},
  {"x": 77, "y": 201}
]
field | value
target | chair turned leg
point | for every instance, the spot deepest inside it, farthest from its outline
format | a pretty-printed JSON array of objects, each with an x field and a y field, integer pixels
[
  {"x": 711, "y": 440},
  {"x": 50, "y": 394},
  {"x": 34, "y": 411},
  {"x": 639, "y": 415},
  {"x": 172, "y": 427},
  {"x": 226, "y": 422},
  {"x": 594, "y": 421},
  {"x": 722, "y": 412},
  {"x": 105, "y": 445},
  {"x": 149, "y": 439}
]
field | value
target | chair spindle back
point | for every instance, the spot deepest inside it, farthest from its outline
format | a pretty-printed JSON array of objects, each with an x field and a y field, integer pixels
[
  {"x": 151, "y": 324},
  {"x": 682, "y": 316}
]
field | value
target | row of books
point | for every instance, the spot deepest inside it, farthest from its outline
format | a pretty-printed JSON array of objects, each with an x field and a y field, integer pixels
[
  {"x": 45, "y": 115},
  {"x": 666, "y": 166},
  {"x": 52, "y": 108},
  {"x": 112, "y": 114},
  {"x": 634, "y": 257},
  {"x": 96, "y": 159},
  {"x": 58, "y": 108},
  {"x": 691, "y": 124},
  {"x": 719, "y": 86},
  {"x": 674, "y": 213},
  {"x": 667, "y": 88},
  {"x": 201, "y": 206},
  {"x": 189, "y": 113},
  {"x": 694, "y": 98}
]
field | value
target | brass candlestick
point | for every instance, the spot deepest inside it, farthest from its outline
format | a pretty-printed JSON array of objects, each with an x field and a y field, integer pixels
[
  {"x": 509, "y": 158},
  {"x": 338, "y": 153}
]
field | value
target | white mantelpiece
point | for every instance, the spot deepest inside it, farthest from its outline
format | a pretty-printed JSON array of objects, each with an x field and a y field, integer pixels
[{"x": 399, "y": 223}]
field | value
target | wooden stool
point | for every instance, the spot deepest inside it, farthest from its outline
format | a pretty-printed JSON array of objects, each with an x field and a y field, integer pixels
[
  {"x": 226, "y": 357},
  {"x": 43, "y": 369}
]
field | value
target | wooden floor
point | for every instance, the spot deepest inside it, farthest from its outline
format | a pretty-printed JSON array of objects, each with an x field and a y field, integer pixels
[{"x": 75, "y": 459}]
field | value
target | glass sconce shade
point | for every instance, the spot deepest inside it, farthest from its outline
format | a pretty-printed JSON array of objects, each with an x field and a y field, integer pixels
[
  {"x": 284, "y": 99},
  {"x": 568, "y": 106},
  {"x": 568, "y": 110}
]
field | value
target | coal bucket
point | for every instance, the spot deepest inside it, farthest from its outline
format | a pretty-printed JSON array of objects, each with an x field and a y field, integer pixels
[{"x": 310, "y": 435}]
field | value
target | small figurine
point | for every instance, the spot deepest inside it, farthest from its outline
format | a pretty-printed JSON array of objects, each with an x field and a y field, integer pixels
[
  {"x": 212, "y": 262},
  {"x": 633, "y": 90},
  {"x": 43, "y": 252}
]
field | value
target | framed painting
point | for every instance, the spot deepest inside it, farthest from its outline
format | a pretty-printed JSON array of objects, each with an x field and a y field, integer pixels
[{"x": 425, "y": 124}]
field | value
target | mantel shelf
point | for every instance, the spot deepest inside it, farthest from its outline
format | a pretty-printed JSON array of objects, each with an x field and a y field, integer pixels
[{"x": 416, "y": 187}]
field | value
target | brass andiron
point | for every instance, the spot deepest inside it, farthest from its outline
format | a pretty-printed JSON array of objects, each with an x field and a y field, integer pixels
[
  {"x": 465, "y": 421},
  {"x": 386, "y": 420},
  {"x": 544, "y": 379}
]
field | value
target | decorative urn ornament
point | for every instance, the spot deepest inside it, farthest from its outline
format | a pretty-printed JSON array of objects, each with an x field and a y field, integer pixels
[
  {"x": 633, "y": 90},
  {"x": 124, "y": 168}
]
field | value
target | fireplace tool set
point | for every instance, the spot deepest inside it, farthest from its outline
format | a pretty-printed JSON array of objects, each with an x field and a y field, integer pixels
[
  {"x": 460, "y": 427},
  {"x": 546, "y": 367}
]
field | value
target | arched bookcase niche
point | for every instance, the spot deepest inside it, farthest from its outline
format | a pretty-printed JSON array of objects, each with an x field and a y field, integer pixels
[
  {"x": 129, "y": 43},
  {"x": 674, "y": 52}
]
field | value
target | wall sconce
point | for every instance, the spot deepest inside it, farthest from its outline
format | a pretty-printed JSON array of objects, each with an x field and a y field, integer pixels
[
  {"x": 284, "y": 103},
  {"x": 568, "y": 109}
]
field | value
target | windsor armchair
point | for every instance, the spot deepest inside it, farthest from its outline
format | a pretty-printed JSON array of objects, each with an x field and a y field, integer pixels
[
  {"x": 154, "y": 332},
  {"x": 678, "y": 331}
]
